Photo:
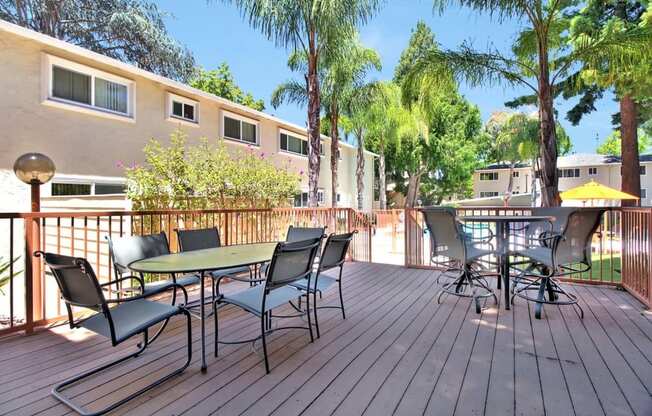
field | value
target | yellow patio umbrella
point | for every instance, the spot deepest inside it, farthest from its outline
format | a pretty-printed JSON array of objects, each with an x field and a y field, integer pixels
[{"x": 594, "y": 190}]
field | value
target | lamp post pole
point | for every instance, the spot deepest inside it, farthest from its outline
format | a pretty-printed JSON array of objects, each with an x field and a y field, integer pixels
[{"x": 33, "y": 169}]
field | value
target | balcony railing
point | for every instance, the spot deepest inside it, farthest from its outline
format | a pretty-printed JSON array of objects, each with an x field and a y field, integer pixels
[
  {"x": 31, "y": 298},
  {"x": 621, "y": 249}
]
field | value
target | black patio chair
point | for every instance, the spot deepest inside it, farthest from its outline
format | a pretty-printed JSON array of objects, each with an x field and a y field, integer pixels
[
  {"x": 298, "y": 234},
  {"x": 126, "y": 250},
  {"x": 290, "y": 262},
  {"x": 200, "y": 239},
  {"x": 333, "y": 256},
  {"x": 466, "y": 277},
  {"x": 556, "y": 254},
  {"x": 126, "y": 318}
]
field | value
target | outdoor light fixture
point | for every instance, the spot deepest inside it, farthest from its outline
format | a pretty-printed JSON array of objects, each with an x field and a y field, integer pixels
[{"x": 34, "y": 169}]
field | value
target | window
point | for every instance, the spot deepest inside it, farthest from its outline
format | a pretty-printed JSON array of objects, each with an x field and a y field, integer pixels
[
  {"x": 78, "y": 86},
  {"x": 488, "y": 176},
  {"x": 240, "y": 128},
  {"x": 293, "y": 144},
  {"x": 64, "y": 189},
  {"x": 339, "y": 197},
  {"x": 181, "y": 108},
  {"x": 515, "y": 174},
  {"x": 643, "y": 193},
  {"x": 593, "y": 171},
  {"x": 109, "y": 188},
  {"x": 642, "y": 170},
  {"x": 488, "y": 194},
  {"x": 77, "y": 189},
  {"x": 568, "y": 173},
  {"x": 301, "y": 200}
]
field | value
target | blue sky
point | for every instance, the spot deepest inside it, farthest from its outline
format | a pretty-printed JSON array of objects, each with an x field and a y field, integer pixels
[{"x": 215, "y": 32}]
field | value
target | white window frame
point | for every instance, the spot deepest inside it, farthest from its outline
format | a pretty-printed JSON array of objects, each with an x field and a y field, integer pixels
[
  {"x": 320, "y": 197},
  {"x": 171, "y": 97},
  {"x": 644, "y": 169},
  {"x": 643, "y": 193},
  {"x": 47, "y": 97},
  {"x": 241, "y": 118},
  {"x": 489, "y": 194},
  {"x": 295, "y": 135},
  {"x": 494, "y": 176},
  {"x": 595, "y": 171}
]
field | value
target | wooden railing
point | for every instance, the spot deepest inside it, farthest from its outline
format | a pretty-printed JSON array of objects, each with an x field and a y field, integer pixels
[
  {"x": 621, "y": 248},
  {"x": 31, "y": 297}
]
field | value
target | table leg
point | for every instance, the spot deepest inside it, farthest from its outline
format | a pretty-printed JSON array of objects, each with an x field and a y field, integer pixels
[
  {"x": 502, "y": 243},
  {"x": 202, "y": 314}
]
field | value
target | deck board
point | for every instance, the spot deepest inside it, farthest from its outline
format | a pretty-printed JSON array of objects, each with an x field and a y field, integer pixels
[{"x": 398, "y": 352}]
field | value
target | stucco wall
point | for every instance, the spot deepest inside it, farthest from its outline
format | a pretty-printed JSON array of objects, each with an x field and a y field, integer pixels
[{"x": 86, "y": 144}]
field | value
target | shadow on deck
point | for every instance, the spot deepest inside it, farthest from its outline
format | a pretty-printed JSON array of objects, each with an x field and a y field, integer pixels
[{"x": 398, "y": 352}]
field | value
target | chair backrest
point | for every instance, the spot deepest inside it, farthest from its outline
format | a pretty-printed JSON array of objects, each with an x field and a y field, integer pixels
[
  {"x": 291, "y": 262},
  {"x": 575, "y": 246},
  {"x": 335, "y": 248},
  {"x": 126, "y": 250},
  {"x": 539, "y": 228},
  {"x": 304, "y": 233},
  {"x": 446, "y": 235},
  {"x": 78, "y": 285},
  {"x": 190, "y": 240}
]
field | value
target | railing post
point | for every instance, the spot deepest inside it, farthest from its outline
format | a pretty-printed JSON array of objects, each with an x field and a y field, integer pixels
[
  {"x": 227, "y": 228},
  {"x": 32, "y": 273}
]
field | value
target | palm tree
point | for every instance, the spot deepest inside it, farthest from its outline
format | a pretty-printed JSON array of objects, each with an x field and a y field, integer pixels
[
  {"x": 388, "y": 121},
  {"x": 311, "y": 27},
  {"x": 343, "y": 71},
  {"x": 538, "y": 61}
]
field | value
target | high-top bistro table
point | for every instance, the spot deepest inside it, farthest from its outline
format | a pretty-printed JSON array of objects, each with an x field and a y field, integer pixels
[
  {"x": 202, "y": 262},
  {"x": 503, "y": 225}
]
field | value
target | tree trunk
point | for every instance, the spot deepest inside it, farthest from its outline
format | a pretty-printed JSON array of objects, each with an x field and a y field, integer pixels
[
  {"x": 314, "y": 135},
  {"x": 533, "y": 182},
  {"x": 548, "y": 139},
  {"x": 413, "y": 190},
  {"x": 382, "y": 181},
  {"x": 631, "y": 170},
  {"x": 335, "y": 152},
  {"x": 510, "y": 184},
  {"x": 359, "y": 170}
]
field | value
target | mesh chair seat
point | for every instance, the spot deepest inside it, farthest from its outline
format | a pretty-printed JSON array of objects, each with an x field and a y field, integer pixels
[
  {"x": 130, "y": 318},
  {"x": 230, "y": 272},
  {"x": 323, "y": 283},
  {"x": 540, "y": 254},
  {"x": 474, "y": 253},
  {"x": 252, "y": 299},
  {"x": 187, "y": 280}
]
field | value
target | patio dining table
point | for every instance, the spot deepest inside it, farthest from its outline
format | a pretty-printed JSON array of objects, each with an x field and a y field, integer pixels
[
  {"x": 503, "y": 231},
  {"x": 202, "y": 262}
]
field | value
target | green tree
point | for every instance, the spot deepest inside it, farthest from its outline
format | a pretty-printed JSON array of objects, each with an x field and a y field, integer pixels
[
  {"x": 630, "y": 78},
  {"x": 132, "y": 31},
  {"x": 207, "y": 175},
  {"x": 343, "y": 73},
  {"x": 514, "y": 139},
  {"x": 612, "y": 144},
  {"x": 310, "y": 27},
  {"x": 220, "y": 82},
  {"x": 389, "y": 120},
  {"x": 539, "y": 58}
]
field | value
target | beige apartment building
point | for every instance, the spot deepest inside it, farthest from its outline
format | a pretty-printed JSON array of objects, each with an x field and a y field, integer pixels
[
  {"x": 574, "y": 170},
  {"x": 91, "y": 114}
]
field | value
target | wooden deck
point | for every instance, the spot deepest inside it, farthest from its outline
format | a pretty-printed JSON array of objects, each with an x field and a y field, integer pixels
[{"x": 398, "y": 352}]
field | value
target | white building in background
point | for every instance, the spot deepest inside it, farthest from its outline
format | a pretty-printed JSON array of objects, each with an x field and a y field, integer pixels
[
  {"x": 574, "y": 170},
  {"x": 90, "y": 113}
]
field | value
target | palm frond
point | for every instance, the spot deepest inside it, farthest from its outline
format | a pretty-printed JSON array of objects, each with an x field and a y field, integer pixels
[{"x": 290, "y": 92}]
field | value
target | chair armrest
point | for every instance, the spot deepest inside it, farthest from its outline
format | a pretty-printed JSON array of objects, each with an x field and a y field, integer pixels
[
  {"x": 171, "y": 286},
  {"x": 123, "y": 279},
  {"x": 486, "y": 238}
]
